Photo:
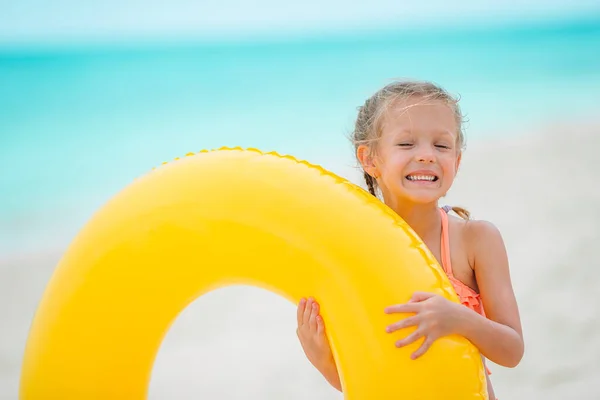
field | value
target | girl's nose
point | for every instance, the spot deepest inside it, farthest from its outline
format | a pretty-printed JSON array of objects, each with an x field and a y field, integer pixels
[{"x": 425, "y": 156}]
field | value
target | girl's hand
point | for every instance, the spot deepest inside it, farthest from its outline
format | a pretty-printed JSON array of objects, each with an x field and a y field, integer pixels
[
  {"x": 434, "y": 316},
  {"x": 311, "y": 332}
]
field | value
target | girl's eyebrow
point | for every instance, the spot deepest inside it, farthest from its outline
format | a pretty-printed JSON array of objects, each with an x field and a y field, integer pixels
[
  {"x": 444, "y": 133},
  {"x": 404, "y": 131},
  {"x": 407, "y": 131}
]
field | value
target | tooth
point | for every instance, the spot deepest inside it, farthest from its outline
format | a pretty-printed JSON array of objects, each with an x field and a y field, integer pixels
[{"x": 429, "y": 178}]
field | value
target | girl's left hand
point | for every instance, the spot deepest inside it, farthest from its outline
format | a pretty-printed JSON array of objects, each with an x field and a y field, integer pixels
[{"x": 434, "y": 316}]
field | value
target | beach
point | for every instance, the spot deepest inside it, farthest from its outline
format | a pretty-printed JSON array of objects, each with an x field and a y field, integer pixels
[{"x": 80, "y": 126}]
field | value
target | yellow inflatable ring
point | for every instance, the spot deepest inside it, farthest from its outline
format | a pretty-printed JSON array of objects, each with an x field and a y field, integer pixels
[{"x": 234, "y": 216}]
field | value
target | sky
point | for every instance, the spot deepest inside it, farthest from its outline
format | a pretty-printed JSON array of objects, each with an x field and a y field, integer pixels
[{"x": 64, "y": 21}]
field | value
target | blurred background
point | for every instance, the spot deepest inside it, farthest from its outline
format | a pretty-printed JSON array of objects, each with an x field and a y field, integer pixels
[{"x": 95, "y": 94}]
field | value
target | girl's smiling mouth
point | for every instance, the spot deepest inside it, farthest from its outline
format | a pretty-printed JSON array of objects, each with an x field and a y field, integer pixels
[{"x": 422, "y": 176}]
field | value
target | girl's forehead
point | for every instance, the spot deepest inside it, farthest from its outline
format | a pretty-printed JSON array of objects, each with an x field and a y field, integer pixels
[{"x": 420, "y": 116}]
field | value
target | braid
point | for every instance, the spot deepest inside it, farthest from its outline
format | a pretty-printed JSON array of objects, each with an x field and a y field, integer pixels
[
  {"x": 461, "y": 212},
  {"x": 370, "y": 183}
]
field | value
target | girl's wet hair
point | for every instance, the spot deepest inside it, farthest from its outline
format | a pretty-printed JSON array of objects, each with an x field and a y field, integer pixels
[{"x": 368, "y": 125}]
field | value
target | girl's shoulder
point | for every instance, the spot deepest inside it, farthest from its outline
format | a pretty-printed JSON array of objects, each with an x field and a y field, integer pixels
[{"x": 480, "y": 238}]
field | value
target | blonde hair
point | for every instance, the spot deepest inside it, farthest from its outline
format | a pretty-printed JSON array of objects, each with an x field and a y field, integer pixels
[{"x": 368, "y": 125}]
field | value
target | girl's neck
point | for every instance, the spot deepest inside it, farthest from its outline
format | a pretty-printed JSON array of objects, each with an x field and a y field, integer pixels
[{"x": 424, "y": 219}]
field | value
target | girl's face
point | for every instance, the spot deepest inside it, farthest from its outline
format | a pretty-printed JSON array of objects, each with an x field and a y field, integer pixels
[{"x": 417, "y": 157}]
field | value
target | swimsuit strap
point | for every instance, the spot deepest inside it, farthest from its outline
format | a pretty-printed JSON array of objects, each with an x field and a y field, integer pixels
[{"x": 446, "y": 262}]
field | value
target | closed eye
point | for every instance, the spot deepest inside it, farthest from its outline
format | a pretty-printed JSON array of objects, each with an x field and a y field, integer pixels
[
  {"x": 404, "y": 144},
  {"x": 443, "y": 146}
]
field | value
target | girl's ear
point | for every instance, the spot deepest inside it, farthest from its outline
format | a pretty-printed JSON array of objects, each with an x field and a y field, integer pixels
[{"x": 363, "y": 153}]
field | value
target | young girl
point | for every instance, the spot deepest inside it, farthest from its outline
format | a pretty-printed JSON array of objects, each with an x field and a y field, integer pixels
[{"x": 408, "y": 139}]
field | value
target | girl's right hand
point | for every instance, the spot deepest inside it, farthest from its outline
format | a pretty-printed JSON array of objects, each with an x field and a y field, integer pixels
[{"x": 311, "y": 332}]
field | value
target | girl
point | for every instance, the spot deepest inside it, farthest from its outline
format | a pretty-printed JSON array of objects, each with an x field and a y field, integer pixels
[{"x": 408, "y": 139}]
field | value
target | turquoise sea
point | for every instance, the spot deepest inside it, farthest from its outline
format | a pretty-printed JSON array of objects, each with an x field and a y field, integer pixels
[{"x": 77, "y": 124}]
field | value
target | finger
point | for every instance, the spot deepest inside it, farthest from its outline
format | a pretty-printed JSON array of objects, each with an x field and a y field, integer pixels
[
  {"x": 300, "y": 310},
  {"x": 312, "y": 322},
  {"x": 410, "y": 338},
  {"x": 420, "y": 296},
  {"x": 403, "y": 308},
  {"x": 320, "y": 325},
  {"x": 424, "y": 347},
  {"x": 405, "y": 323},
  {"x": 307, "y": 310}
]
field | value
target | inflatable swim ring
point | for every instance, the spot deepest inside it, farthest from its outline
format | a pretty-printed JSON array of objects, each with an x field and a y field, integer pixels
[{"x": 234, "y": 216}]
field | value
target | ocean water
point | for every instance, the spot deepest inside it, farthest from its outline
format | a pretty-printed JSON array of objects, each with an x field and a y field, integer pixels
[{"x": 79, "y": 124}]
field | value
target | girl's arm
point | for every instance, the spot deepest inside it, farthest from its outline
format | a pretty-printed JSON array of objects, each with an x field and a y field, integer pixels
[
  {"x": 498, "y": 337},
  {"x": 330, "y": 373}
]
